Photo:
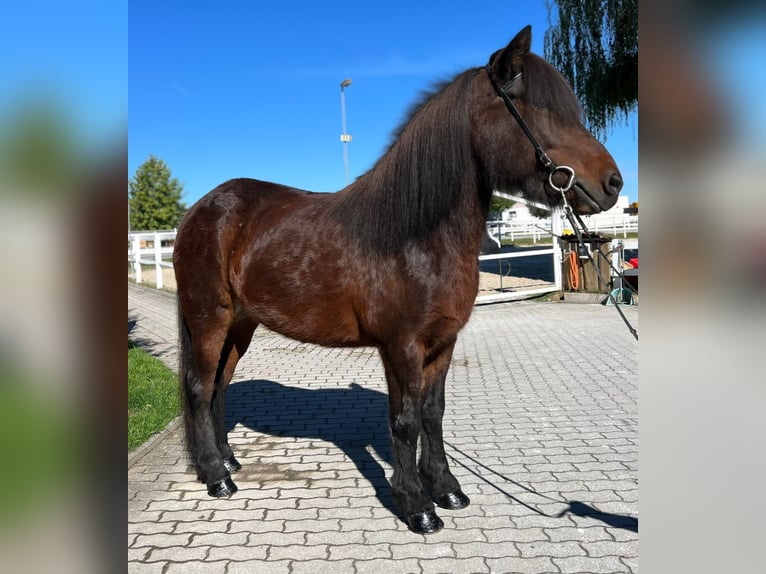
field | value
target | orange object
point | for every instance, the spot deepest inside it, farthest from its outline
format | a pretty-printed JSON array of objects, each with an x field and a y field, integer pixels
[{"x": 574, "y": 274}]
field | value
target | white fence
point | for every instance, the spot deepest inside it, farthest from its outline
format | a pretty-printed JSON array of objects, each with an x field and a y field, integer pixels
[
  {"x": 538, "y": 229},
  {"x": 614, "y": 226},
  {"x": 146, "y": 249}
]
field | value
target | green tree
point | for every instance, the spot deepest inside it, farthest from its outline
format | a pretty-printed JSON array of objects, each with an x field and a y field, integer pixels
[
  {"x": 498, "y": 205},
  {"x": 539, "y": 212},
  {"x": 155, "y": 197},
  {"x": 594, "y": 44}
]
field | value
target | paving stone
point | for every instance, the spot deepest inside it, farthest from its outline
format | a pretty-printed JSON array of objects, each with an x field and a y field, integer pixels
[
  {"x": 278, "y": 538},
  {"x": 219, "y": 539},
  {"x": 598, "y": 549},
  {"x": 146, "y": 567},
  {"x": 138, "y": 554},
  {"x": 312, "y": 526},
  {"x": 196, "y": 567},
  {"x": 518, "y": 565},
  {"x": 304, "y": 552},
  {"x": 393, "y": 566},
  {"x": 630, "y": 562},
  {"x": 259, "y": 567},
  {"x": 323, "y": 567},
  {"x": 579, "y": 564},
  {"x": 485, "y": 549},
  {"x": 516, "y": 534},
  {"x": 150, "y": 527},
  {"x": 546, "y": 548},
  {"x": 256, "y": 526},
  {"x": 238, "y": 553},
  {"x": 176, "y": 554},
  {"x": 360, "y": 551},
  {"x": 422, "y": 551},
  {"x": 590, "y": 534},
  {"x": 453, "y": 566},
  {"x": 162, "y": 540}
]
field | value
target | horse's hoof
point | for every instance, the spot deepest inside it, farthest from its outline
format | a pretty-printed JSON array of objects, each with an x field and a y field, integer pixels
[
  {"x": 222, "y": 488},
  {"x": 232, "y": 464},
  {"x": 424, "y": 522},
  {"x": 453, "y": 500}
]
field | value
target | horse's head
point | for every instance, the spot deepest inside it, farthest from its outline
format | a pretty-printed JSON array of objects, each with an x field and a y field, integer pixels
[{"x": 528, "y": 127}]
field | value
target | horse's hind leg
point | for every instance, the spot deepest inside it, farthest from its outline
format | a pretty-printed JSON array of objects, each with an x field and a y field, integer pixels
[
  {"x": 433, "y": 467},
  {"x": 404, "y": 375},
  {"x": 236, "y": 344},
  {"x": 202, "y": 342}
]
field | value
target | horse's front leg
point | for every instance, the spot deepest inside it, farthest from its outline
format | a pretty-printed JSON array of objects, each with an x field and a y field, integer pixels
[
  {"x": 434, "y": 469},
  {"x": 404, "y": 375}
]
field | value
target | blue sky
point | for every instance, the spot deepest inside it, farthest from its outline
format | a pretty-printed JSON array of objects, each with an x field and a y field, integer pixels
[{"x": 251, "y": 89}]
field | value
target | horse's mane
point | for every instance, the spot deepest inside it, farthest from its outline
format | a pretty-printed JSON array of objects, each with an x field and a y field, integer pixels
[
  {"x": 430, "y": 166},
  {"x": 421, "y": 177}
]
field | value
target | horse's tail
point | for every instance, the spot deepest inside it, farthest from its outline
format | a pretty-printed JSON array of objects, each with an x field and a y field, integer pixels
[{"x": 186, "y": 381}]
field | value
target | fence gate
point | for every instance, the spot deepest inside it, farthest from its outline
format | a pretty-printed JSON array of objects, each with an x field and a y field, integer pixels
[{"x": 515, "y": 293}]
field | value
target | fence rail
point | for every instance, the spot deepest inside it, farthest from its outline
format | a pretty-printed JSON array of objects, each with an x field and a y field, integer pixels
[{"x": 540, "y": 229}]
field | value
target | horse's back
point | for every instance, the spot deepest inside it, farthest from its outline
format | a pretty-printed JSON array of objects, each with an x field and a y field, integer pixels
[
  {"x": 237, "y": 198},
  {"x": 224, "y": 211}
]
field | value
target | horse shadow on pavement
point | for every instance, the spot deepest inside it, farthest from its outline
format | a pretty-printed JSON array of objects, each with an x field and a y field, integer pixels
[{"x": 355, "y": 419}]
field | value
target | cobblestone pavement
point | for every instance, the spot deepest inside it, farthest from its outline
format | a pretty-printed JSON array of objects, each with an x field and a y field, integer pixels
[{"x": 541, "y": 428}]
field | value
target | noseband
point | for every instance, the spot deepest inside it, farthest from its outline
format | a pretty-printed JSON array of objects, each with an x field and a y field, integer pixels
[{"x": 545, "y": 160}]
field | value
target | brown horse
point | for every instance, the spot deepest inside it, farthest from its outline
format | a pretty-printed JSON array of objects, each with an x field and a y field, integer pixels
[{"x": 390, "y": 261}]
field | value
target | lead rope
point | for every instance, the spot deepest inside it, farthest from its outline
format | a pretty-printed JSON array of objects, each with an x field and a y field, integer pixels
[{"x": 570, "y": 215}]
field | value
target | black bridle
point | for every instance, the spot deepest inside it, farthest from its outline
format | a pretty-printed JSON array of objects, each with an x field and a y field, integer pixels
[
  {"x": 552, "y": 169},
  {"x": 542, "y": 156}
]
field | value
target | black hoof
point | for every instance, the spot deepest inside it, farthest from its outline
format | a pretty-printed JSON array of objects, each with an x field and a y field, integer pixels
[
  {"x": 232, "y": 464},
  {"x": 424, "y": 522},
  {"x": 222, "y": 488},
  {"x": 453, "y": 500}
]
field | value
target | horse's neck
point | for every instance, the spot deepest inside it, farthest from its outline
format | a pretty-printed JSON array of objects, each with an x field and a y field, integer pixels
[{"x": 426, "y": 183}]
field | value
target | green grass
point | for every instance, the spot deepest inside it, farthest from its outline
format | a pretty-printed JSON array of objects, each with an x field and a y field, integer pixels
[{"x": 152, "y": 396}]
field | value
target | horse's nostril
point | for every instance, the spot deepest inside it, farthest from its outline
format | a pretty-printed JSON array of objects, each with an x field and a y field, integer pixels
[{"x": 615, "y": 183}]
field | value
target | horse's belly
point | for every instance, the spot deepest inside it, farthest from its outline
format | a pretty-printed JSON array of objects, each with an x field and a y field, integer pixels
[
  {"x": 305, "y": 311},
  {"x": 321, "y": 325}
]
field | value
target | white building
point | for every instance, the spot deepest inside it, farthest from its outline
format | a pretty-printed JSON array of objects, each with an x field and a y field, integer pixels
[{"x": 519, "y": 213}]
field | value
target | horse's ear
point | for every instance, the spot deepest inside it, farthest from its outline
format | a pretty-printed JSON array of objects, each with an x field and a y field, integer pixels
[{"x": 506, "y": 63}]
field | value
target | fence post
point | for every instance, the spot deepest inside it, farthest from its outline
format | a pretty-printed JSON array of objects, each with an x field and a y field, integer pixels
[
  {"x": 158, "y": 260},
  {"x": 557, "y": 228},
  {"x": 137, "y": 257}
]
